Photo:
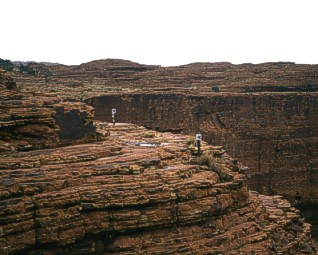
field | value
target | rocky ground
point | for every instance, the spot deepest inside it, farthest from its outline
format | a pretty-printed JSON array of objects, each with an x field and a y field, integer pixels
[
  {"x": 36, "y": 120},
  {"x": 140, "y": 192},
  {"x": 265, "y": 115},
  {"x": 71, "y": 186}
]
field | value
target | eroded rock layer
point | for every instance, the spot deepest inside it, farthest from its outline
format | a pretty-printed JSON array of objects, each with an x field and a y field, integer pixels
[
  {"x": 34, "y": 120},
  {"x": 275, "y": 135},
  {"x": 140, "y": 192},
  {"x": 264, "y": 114}
]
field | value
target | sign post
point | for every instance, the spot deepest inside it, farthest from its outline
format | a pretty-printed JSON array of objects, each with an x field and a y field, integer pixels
[
  {"x": 113, "y": 115},
  {"x": 297, "y": 199},
  {"x": 198, "y": 139}
]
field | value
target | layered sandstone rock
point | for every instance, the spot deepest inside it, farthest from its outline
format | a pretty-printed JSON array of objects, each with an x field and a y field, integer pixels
[
  {"x": 33, "y": 120},
  {"x": 275, "y": 135},
  {"x": 197, "y": 78},
  {"x": 265, "y": 114},
  {"x": 113, "y": 75},
  {"x": 140, "y": 192}
]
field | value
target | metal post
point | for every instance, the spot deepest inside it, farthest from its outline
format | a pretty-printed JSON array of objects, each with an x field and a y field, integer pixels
[
  {"x": 113, "y": 115},
  {"x": 297, "y": 199},
  {"x": 198, "y": 139}
]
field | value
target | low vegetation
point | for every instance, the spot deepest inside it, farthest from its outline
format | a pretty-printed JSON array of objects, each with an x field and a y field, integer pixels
[
  {"x": 191, "y": 141},
  {"x": 6, "y": 64},
  {"x": 215, "y": 89},
  {"x": 207, "y": 159}
]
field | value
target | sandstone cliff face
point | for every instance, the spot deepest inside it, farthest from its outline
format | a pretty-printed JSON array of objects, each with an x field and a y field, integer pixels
[
  {"x": 112, "y": 75},
  {"x": 265, "y": 115},
  {"x": 140, "y": 192},
  {"x": 34, "y": 120},
  {"x": 275, "y": 135}
]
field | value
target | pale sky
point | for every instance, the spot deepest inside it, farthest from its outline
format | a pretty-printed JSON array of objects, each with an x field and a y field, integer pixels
[{"x": 160, "y": 32}]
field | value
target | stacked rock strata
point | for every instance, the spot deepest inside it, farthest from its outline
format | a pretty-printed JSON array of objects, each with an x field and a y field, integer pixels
[
  {"x": 112, "y": 76},
  {"x": 34, "y": 120},
  {"x": 275, "y": 135},
  {"x": 140, "y": 192},
  {"x": 265, "y": 115}
]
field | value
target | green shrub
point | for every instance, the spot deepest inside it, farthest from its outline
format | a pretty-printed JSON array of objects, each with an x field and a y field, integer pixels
[
  {"x": 191, "y": 141},
  {"x": 48, "y": 75},
  {"x": 6, "y": 64},
  {"x": 27, "y": 69},
  {"x": 215, "y": 88},
  {"x": 207, "y": 159},
  {"x": 11, "y": 85}
]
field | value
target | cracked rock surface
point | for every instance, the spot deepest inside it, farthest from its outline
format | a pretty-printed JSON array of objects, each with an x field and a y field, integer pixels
[{"x": 138, "y": 191}]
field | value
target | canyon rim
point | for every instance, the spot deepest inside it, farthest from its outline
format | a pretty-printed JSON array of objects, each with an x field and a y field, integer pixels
[{"x": 72, "y": 183}]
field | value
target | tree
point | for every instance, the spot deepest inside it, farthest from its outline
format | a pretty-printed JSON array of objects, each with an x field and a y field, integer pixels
[{"x": 6, "y": 64}]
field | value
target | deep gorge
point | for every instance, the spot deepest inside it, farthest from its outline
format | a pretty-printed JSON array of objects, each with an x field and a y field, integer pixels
[
  {"x": 72, "y": 184},
  {"x": 275, "y": 135}
]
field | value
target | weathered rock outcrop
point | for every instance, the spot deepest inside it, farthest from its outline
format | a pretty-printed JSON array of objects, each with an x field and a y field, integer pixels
[
  {"x": 203, "y": 78},
  {"x": 275, "y": 135},
  {"x": 140, "y": 192},
  {"x": 265, "y": 114},
  {"x": 36, "y": 120}
]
